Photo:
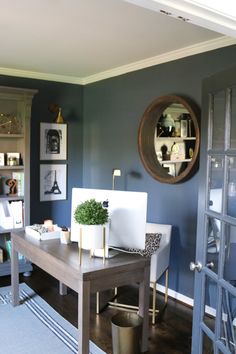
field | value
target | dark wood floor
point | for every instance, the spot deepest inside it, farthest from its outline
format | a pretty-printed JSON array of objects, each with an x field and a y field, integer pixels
[{"x": 170, "y": 335}]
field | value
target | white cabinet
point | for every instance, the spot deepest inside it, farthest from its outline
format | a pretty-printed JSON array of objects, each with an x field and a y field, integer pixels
[{"x": 15, "y": 116}]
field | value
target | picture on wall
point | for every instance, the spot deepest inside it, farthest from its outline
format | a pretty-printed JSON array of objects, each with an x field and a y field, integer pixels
[
  {"x": 53, "y": 141},
  {"x": 53, "y": 182}
]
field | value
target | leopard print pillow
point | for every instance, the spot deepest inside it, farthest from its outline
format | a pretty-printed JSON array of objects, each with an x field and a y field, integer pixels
[{"x": 152, "y": 243}]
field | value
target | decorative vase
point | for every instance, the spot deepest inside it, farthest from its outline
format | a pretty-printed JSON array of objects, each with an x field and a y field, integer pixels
[
  {"x": 92, "y": 236},
  {"x": 59, "y": 119}
]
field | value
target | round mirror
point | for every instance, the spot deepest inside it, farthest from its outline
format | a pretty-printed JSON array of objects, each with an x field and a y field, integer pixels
[{"x": 168, "y": 139}]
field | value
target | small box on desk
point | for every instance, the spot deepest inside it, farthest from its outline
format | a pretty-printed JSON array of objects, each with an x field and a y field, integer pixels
[{"x": 40, "y": 232}]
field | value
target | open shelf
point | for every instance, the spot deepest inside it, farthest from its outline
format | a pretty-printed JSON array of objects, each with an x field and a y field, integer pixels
[
  {"x": 16, "y": 167},
  {"x": 10, "y": 197},
  {"x": 15, "y": 139},
  {"x": 177, "y": 138},
  {"x": 174, "y": 161},
  {"x": 14, "y": 136}
]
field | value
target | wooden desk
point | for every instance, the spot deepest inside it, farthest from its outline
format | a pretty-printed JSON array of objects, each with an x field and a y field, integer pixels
[{"x": 62, "y": 262}]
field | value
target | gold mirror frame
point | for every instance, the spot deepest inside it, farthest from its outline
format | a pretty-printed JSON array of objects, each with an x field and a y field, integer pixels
[{"x": 146, "y": 133}]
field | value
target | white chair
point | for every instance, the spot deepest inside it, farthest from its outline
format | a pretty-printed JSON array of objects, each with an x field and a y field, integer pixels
[
  {"x": 159, "y": 260},
  {"x": 159, "y": 266}
]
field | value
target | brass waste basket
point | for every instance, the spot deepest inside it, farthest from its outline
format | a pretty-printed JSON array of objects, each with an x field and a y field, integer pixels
[{"x": 126, "y": 333}]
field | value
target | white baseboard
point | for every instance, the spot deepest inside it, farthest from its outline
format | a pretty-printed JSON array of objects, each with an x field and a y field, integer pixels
[{"x": 182, "y": 298}]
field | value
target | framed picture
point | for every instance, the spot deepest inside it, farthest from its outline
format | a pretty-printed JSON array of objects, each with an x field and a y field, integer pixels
[
  {"x": 13, "y": 158},
  {"x": 53, "y": 182},
  {"x": 53, "y": 141},
  {"x": 183, "y": 128}
]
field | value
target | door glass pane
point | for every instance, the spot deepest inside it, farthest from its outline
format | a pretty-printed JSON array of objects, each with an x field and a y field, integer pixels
[
  {"x": 210, "y": 303},
  {"x": 230, "y": 254},
  {"x": 216, "y": 183},
  {"x": 213, "y": 243},
  {"x": 218, "y": 133},
  {"x": 228, "y": 321},
  {"x": 231, "y": 197},
  {"x": 207, "y": 345},
  {"x": 233, "y": 120}
]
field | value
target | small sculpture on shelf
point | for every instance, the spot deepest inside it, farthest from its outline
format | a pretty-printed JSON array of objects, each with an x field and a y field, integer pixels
[
  {"x": 165, "y": 154},
  {"x": 12, "y": 184},
  {"x": 165, "y": 126}
]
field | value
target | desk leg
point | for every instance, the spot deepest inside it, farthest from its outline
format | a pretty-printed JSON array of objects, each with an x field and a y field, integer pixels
[
  {"x": 14, "y": 275},
  {"x": 144, "y": 307},
  {"x": 84, "y": 316}
]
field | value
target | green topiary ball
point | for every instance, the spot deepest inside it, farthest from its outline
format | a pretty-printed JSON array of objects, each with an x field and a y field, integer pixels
[{"x": 91, "y": 212}]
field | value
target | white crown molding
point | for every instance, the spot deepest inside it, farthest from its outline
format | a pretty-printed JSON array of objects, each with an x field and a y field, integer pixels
[
  {"x": 196, "y": 12},
  {"x": 41, "y": 76},
  {"x": 163, "y": 58},
  {"x": 219, "y": 42}
]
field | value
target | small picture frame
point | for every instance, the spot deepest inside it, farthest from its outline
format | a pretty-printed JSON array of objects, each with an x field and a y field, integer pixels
[
  {"x": 53, "y": 182},
  {"x": 183, "y": 128},
  {"x": 53, "y": 141},
  {"x": 2, "y": 159},
  {"x": 13, "y": 158}
]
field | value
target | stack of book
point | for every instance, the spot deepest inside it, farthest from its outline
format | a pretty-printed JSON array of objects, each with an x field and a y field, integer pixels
[
  {"x": 19, "y": 177},
  {"x": 8, "y": 249}
]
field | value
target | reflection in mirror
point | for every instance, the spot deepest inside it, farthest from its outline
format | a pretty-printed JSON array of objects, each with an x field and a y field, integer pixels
[
  {"x": 228, "y": 322},
  {"x": 231, "y": 195},
  {"x": 216, "y": 177},
  {"x": 209, "y": 301},
  {"x": 230, "y": 255},
  {"x": 213, "y": 242},
  {"x": 174, "y": 153},
  {"x": 171, "y": 120},
  {"x": 233, "y": 120},
  {"x": 168, "y": 139},
  {"x": 208, "y": 347},
  {"x": 218, "y": 112}
]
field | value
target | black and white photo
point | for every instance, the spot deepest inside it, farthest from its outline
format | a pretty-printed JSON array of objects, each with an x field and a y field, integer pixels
[
  {"x": 53, "y": 182},
  {"x": 53, "y": 141}
]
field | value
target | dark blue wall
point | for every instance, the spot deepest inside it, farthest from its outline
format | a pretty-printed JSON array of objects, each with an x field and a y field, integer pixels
[
  {"x": 70, "y": 98},
  {"x": 103, "y": 120},
  {"x": 112, "y": 112}
]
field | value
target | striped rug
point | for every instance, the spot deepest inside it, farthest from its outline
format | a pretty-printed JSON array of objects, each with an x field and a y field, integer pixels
[{"x": 34, "y": 327}]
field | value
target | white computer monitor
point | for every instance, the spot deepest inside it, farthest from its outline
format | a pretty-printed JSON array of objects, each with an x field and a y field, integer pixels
[{"x": 127, "y": 215}]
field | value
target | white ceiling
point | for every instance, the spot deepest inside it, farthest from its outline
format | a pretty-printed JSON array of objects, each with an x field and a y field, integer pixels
[{"x": 82, "y": 41}]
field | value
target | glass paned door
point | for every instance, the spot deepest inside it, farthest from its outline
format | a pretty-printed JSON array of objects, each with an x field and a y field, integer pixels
[{"x": 214, "y": 320}]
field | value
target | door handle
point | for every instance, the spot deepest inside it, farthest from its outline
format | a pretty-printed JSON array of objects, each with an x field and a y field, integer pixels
[
  {"x": 210, "y": 265},
  {"x": 198, "y": 266},
  {"x": 195, "y": 266}
]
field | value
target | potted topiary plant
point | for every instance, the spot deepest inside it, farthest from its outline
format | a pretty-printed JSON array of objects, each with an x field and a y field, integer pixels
[{"x": 92, "y": 217}]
